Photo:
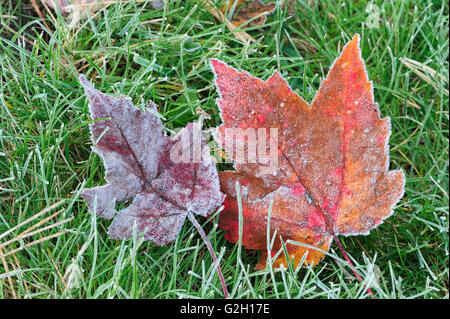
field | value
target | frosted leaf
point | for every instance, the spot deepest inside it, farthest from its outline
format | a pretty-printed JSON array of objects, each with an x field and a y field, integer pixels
[
  {"x": 139, "y": 168},
  {"x": 332, "y": 172}
]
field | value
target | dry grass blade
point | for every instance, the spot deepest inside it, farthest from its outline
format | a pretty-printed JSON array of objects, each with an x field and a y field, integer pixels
[
  {"x": 38, "y": 224},
  {"x": 29, "y": 220},
  {"x": 35, "y": 242},
  {"x": 240, "y": 35},
  {"x": 74, "y": 272},
  {"x": 5, "y": 265},
  {"x": 32, "y": 230},
  {"x": 29, "y": 234},
  {"x": 421, "y": 71},
  {"x": 15, "y": 32},
  {"x": 38, "y": 11},
  {"x": 409, "y": 102}
]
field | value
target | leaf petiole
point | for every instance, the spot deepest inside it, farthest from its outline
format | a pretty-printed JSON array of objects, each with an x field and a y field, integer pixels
[
  {"x": 342, "y": 249},
  {"x": 211, "y": 251}
]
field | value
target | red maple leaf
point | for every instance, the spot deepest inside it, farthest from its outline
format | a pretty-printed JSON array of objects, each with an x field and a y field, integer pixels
[{"x": 331, "y": 162}]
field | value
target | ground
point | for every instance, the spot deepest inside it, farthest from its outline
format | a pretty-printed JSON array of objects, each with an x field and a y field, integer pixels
[{"x": 162, "y": 55}]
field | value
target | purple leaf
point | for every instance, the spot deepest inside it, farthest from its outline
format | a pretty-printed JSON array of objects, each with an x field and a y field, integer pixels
[{"x": 165, "y": 178}]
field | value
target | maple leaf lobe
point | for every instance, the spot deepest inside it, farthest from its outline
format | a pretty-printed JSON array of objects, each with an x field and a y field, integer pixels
[
  {"x": 139, "y": 167},
  {"x": 332, "y": 176}
]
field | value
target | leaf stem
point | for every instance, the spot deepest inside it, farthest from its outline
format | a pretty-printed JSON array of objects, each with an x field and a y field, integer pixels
[
  {"x": 341, "y": 247},
  {"x": 211, "y": 251}
]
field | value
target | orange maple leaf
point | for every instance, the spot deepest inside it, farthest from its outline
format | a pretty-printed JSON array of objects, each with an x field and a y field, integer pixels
[{"x": 332, "y": 176}]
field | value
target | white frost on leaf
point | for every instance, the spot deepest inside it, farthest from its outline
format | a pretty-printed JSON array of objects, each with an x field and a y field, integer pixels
[{"x": 139, "y": 168}]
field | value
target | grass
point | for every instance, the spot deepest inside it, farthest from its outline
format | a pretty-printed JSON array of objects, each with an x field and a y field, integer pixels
[{"x": 162, "y": 55}]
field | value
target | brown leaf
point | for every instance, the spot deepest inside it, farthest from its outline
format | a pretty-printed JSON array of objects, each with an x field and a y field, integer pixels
[
  {"x": 249, "y": 11},
  {"x": 165, "y": 178},
  {"x": 328, "y": 168},
  {"x": 240, "y": 35}
]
